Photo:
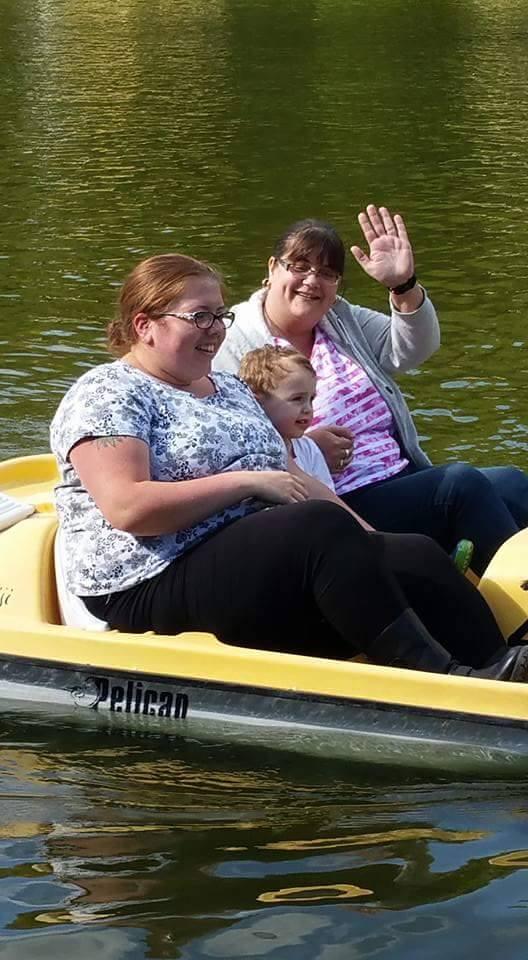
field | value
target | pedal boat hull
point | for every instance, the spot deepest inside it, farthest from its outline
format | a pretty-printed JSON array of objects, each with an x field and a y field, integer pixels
[{"x": 193, "y": 685}]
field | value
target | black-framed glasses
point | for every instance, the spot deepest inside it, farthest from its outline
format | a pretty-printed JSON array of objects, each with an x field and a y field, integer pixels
[
  {"x": 204, "y": 319},
  {"x": 301, "y": 268}
]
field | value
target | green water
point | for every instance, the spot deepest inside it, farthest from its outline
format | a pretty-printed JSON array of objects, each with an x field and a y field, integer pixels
[{"x": 134, "y": 127}]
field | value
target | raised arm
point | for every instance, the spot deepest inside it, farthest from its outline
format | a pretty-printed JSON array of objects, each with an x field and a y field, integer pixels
[
  {"x": 390, "y": 259},
  {"x": 411, "y": 333},
  {"x": 116, "y": 473}
]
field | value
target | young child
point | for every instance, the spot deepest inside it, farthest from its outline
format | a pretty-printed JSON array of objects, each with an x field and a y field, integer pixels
[{"x": 284, "y": 383}]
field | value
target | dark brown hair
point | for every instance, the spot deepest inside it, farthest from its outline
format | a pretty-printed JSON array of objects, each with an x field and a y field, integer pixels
[
  {"x": 150, "y": 288},
  {"x": 307, "y": 238}
]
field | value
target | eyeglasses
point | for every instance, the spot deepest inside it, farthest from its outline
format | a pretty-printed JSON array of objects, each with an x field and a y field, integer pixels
[
  {"x": 204, "y": 319},
  {"x": 301, "y": 268}
]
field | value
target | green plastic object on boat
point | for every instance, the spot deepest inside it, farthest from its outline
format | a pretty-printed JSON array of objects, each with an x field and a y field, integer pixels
[{"x": 462, "y": 555}]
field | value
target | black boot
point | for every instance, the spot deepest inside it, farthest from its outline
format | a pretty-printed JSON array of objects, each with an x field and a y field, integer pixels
[
  {"x": 406, "y": 642},
  {"x": 509, "y": 663}
]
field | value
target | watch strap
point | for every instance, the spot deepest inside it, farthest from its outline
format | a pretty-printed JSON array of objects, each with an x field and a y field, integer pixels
[{"x": 404, "y": 287}]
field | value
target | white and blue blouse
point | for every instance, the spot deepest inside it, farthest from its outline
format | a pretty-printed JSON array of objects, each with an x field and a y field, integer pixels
[{"x": 188, "y": 437}]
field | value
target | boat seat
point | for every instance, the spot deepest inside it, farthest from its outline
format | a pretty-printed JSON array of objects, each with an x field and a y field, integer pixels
[
  {"x": 73, "y": 611},
  {"x": 27, "y": 582},
  {"x": 32, "y": 581},
  {"x": 504, "y": 584},
  {"x": 12, "y": 510}
]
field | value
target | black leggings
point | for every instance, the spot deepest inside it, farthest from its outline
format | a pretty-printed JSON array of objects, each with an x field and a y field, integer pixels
[{"x": 306, "y": 578}]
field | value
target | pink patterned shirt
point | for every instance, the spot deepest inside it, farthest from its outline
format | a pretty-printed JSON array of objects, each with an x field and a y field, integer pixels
[{"x": 346, "y": 397}]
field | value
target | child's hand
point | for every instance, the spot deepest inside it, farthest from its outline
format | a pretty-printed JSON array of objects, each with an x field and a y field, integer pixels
[{"x": 336, "y": 445}]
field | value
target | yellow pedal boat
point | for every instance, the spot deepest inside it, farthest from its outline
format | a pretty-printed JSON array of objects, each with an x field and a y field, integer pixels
[{"x": 195, "y": 686}]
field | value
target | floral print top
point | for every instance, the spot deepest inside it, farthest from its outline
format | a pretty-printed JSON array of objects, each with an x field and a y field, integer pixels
[{"x": 188, "y": 437}]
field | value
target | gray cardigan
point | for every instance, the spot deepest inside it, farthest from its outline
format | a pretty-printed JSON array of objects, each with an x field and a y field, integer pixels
[{"x": 383, "y": 345}]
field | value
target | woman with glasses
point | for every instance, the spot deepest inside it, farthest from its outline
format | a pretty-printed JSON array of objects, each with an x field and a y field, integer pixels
[
  {"x": 177, "y": 510},
  {"x": 362, "y": 422}
]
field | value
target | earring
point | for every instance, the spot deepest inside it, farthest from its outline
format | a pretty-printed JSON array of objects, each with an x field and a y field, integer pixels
[{"x": 265, "y": 282}]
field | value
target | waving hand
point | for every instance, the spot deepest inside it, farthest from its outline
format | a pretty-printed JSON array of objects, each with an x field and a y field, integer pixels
[{"x": 390, "y": 259}]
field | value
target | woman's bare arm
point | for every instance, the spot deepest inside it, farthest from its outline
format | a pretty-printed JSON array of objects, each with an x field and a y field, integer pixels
[{"x": 116, "y": 473}]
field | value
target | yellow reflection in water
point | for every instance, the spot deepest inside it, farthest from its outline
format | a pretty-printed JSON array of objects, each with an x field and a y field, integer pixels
[
  {"x": 518, "y": 858},
  {"x": 23, "y": 828},
  {"x": 78, "y": 829},
  {"x": 361, "y": 839},
  {"x": 72, "y": 916},
  {"x": 335, "y": 891},
  {"x": 94, "y": 830}
]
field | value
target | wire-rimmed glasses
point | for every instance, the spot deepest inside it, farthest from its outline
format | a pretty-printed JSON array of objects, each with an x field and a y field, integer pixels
[
  {"x": 302, "y": 268},
  {"x": 204, "y": 319}
]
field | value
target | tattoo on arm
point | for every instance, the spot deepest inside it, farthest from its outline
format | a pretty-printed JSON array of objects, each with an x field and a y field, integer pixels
[{"x": 108, "y": 441}]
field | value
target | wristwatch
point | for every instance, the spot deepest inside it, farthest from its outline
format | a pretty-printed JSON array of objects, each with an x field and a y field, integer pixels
[{"x": 404, "y": 287}]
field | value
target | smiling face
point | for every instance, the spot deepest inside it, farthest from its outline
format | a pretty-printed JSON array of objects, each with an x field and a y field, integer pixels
[
  {"x": 175, "y": 349},
  {"x": 290, "y": 404},
  {"x": 300, "y": 302}
]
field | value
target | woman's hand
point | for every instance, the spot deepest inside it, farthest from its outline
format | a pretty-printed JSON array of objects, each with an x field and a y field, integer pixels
[
  {"x": 336, "y": 444},
  {"x": 116, "y": 473},
  {"x": 278, "y": 486},
  {"x": 390, "y": 259}
]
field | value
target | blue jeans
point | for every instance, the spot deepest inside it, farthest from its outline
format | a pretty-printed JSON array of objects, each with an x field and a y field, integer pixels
[
  {"x": 511, "y": 484},
  {"x": 449, "y": 503}
]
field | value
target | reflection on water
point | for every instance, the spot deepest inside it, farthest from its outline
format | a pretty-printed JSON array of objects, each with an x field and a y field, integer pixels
[
  {"x": 183, "y": 850},
  {"x": 332, "y": 891}
]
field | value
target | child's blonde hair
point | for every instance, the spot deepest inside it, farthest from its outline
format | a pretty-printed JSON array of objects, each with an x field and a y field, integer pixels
[{"x": 263, "y": 369}]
